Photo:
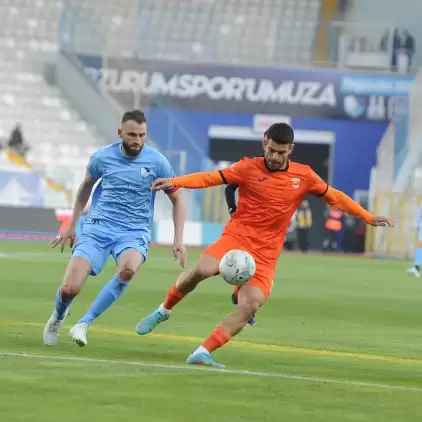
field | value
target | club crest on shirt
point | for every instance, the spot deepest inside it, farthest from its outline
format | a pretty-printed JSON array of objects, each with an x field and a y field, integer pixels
[
  {"x": 145, "y": 171},
  {"x": 295, "y": 182}
]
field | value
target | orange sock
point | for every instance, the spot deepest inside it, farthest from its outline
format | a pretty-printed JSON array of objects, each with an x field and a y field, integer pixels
[
  {"x": 219, "y": 337},
  {"x": 173, "y": 298}
]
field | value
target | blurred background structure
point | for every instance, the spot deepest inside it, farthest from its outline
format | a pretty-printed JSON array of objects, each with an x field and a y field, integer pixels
[{"x": 212, "y": 75}]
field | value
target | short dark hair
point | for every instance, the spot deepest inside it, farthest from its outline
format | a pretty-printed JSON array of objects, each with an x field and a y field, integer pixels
[
  {"x": 281, "y": 133},
  {"x": 137, "y": 115}
]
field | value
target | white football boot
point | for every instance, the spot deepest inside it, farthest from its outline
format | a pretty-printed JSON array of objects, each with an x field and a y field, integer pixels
[
  {"x": 78, "y": 334},
  {"x": 413, "y": 272},
  {"x": 52, "y": 329}
]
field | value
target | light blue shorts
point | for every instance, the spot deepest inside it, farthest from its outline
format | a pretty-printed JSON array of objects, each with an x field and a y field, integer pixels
[{"x": 96, "y": 244}]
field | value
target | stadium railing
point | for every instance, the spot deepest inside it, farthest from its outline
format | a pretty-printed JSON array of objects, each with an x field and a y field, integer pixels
[{"x": 367, "y": 45}]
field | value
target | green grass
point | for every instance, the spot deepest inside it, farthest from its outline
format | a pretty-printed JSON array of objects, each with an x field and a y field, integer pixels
[{"x": 342, "y": 319}]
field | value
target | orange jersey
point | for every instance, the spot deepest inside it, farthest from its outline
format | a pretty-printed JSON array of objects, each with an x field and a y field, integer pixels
[{"x": 267, "y": 201}]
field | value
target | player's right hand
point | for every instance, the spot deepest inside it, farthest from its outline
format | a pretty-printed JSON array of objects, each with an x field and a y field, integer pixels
[
  {"x": 62, "y": 238},
  {"x": 162, "y": 184}
]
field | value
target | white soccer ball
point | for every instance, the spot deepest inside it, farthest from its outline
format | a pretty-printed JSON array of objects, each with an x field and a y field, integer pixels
[{"x": 237, "y": 267}]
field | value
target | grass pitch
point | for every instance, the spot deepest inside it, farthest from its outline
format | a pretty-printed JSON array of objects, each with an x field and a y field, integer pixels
[{"x": 339, "y": 340}]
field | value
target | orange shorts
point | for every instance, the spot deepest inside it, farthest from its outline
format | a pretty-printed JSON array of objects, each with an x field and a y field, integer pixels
[{"x": 264, "y": 274}]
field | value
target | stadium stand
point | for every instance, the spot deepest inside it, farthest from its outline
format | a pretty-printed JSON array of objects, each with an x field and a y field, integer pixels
[
  {"x": 236, "y": 31},
  {"x": 60, "y": 140},
  {"x": 283, "y": 31}
]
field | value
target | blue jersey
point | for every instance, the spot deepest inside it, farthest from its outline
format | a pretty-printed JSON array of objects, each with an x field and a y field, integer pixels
[{"x": 123, "y": 200}]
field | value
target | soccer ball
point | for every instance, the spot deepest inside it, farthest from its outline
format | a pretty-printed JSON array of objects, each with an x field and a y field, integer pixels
[{"x": 237, "y": 267}]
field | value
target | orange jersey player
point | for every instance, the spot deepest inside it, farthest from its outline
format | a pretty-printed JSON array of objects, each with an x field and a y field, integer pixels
[{"x": 270, "y": 189}]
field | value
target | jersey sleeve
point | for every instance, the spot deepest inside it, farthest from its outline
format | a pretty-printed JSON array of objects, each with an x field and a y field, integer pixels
[
  {"x": 94, "y": 167},
  {"x": 167, "y": 172},
  {"x": 340, "y": 200},
  {"x": 236, "y": 174},
  {"x": 316, "y": 186}
]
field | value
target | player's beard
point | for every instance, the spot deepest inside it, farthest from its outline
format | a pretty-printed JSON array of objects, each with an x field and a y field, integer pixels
[
  {"x": 275, "y": 167},
  {"x": 130, "y": 151}
]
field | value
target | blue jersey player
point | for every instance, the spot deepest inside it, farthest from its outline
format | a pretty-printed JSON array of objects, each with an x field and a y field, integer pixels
[{"x": 118, "y": 223}]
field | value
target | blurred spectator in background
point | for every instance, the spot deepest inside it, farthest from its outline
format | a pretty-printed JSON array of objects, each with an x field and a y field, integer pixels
[
  {"x": 360, "y": 233},
  {"x": 304, "y": 223},
  {"x": 384, "y": 41},
  {"x": 349, "y": 233},
  {"x": 403, "y": 49},
  {"x": 333, "y": 226},
  {"x": 397, "y": 45},
  {"x": 16, "y": 142},
  {"x": 409, "y": 47}
]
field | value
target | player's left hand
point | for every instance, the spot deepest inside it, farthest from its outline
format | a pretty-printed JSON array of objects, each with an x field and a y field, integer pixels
[
  {"x": 161, "y": 184},
  {"x": 379, "y": 221},
  {"x": 68, "y": 235},
  {"x": 180, "y": 253}
]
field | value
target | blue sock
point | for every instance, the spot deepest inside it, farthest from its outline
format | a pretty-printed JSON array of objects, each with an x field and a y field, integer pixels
[
  {"x": 418, "y": 257},
  {"x": 63, "y": 302},
  {"x": 108, "y": 295}
]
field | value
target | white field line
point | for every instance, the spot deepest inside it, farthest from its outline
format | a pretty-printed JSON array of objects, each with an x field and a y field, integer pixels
[{"x": 212, "y": 370}]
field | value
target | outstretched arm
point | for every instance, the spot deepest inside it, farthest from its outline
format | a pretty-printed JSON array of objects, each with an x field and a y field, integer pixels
[
  {"x": 190, "y": 181},
  {"x": 343, "y": 202},
  {"x": 234, "y": 174},
  {"x": 200, "y": 180},
  {"x": 340, "y": 200}
]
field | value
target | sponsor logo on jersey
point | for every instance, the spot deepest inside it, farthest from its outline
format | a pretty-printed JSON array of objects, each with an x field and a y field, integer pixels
[{"x": 295, "y": 182}]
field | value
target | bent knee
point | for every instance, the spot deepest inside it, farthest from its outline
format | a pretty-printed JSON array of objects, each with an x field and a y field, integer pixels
[
  {"x": 249, "y": 308},
  {"x": 126, "y": 274},
  {"x": 70, "y": 289}
]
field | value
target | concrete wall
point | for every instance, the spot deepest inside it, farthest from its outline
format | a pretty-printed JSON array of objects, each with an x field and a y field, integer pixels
[{"x": 86, "y": 97}]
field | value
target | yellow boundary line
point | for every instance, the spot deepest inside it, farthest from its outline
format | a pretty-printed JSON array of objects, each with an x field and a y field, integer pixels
[{"x": 251, "y": 345}]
